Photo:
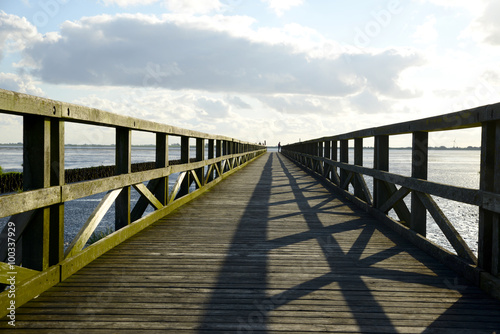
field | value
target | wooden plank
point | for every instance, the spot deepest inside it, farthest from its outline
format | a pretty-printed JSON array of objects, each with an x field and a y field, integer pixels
[
  {"x": 90, "y": 225},
  {"x": 29, "y": 200}
]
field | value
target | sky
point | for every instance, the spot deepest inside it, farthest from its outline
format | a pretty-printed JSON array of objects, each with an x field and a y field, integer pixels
[{"x": 257, "y": 70}]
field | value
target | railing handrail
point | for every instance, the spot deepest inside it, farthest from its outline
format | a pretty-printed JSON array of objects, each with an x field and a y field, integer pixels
[
  {"x": 20, "y": 104},
  {"x": 321, "y": 155},
  {"x": 464, "y": 119}
]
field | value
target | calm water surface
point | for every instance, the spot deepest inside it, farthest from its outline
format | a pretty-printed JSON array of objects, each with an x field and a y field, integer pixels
[{"x": 454, "y": 167}]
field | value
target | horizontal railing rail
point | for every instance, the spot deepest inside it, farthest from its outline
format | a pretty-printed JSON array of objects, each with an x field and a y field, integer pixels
[
  {"x": 328, "y": 157},
  {"x": 32, "y": 252}
]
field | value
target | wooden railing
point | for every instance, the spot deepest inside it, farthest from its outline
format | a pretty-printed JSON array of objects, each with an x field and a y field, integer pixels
[
  {"x": 322, "y": 157},
  {"x": 32, "y": 243}
]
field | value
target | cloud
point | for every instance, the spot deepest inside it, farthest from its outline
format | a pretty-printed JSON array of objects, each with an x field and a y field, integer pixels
[
  {"x": 280, "y": 6},
  {"x": 139, "y": 50},
  {"x": 21, "y": 84},
  {"x": 128, "y": 3},
  {"x": 15, "y": 33},
  {"x": 426, "y": 33},
  {"x": 487, "y": 26},
  {"x": 193, "y": 6}
]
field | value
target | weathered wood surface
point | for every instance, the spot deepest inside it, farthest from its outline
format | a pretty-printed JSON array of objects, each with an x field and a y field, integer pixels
[{"x": 268, "y": 250}]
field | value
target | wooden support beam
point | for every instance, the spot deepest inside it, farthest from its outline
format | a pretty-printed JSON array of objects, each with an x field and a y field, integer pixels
[
  {"x": 184, "y": 190},
  {"x": 211, "y": 155},
  {"x": 13, "y": 275},
  {"x": 449, "y": 231},
  {"x": 358, "y": 160},
  {"x": 381, "y": 163},
  {"x": 146, "y": 193},
  {"x": 161, "y": 190},
  {"x": 419, "y": 167},
  {"x": 90, "y": 225},
  {"x": 489, "y": 221},
  {"x": 396, "y": 197},
  {"x": 344, "y": 157},
  {"x": 142, "y": 203},
  {"x": 200, "y": 156},
  {"x": 36, "y": 175},
  {"x": 123, "y": 157},
  {"x": 56, "y": 233}
]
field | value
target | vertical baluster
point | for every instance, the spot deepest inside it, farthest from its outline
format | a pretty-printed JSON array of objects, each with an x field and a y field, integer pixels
[
  {"x": 123, "y": 159},
  {"x": 161, "y": 192},
  {"x": 36, "y": 175},
  {"x": 358, "y": 160},
  {"x": 344, "y": 157},
  {"x": 184, "y": 190},
  {"x": 211, "y": 155},
  {"x": 200, "y": 156},
  {"x": 56, "y": 233},
  {"x": 335, "y": 157},
  {"x": 489, "y": 221},
  {"x": 419, "y": 169},
  {"x": 381, "y": 162}
]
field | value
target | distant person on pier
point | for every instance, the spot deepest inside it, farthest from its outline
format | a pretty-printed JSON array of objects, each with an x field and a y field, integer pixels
[{"x": 279, "y": 147}]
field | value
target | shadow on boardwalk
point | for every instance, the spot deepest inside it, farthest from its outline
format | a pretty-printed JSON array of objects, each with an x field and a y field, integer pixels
[{"x": 372, "y": 283}]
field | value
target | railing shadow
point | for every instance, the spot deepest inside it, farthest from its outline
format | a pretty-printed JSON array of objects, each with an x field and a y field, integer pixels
[{"x": 245, "y": 298}]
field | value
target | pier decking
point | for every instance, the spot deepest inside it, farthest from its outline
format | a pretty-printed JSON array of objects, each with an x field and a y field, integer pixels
[{"x": 286, "y": 255}]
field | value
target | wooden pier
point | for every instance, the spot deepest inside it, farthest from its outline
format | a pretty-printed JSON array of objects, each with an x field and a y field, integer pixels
[
  {"x": 247, "y": 241},
  {"x": 286, "y": 256}
]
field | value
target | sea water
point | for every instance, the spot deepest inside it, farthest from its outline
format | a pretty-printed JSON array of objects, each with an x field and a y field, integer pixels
[{"x": 453, "y": 167}]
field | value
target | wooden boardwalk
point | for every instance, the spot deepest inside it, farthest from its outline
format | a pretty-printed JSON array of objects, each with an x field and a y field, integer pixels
[{"x": 269, "y": 250}]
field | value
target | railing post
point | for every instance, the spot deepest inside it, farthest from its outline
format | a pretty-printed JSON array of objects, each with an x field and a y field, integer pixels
[
  {"x": 344, "y": 157},
  {"x": 211, "y": 155},
  {"x": 123, "y": 157},
  {"x": 419, "y": 167},
  {"x": 381, "y": 162},
  {"x": 184, "y": 190},
  {"x": 36, "y": 175},
  {"x": 328, "y": 155},
  {"x": 162, "y": 162},
  {"x": 335, "y": 157},
  {"x": 358, "y": 160},
  {"x": 489, "y": 221},
  {"x": 200, "y": 156},
  {"x": 218, "y": 153},
  {"x": 320, "y": 154},
  {"x": 56, "y": 233}
]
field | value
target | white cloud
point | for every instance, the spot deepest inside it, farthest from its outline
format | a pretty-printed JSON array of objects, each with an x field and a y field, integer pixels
[
  {"x": 139, "y": 50},
  {"x": 193, "y": 6},
  {"x": 280, "y": 6},
  {"x": 21, "y": 84},
  {"x": 15, "y": 33},
  {"x": 128, "y": 3},
  {"x": 426, "y": 33},
  {"x": 486, "y": 28}
]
